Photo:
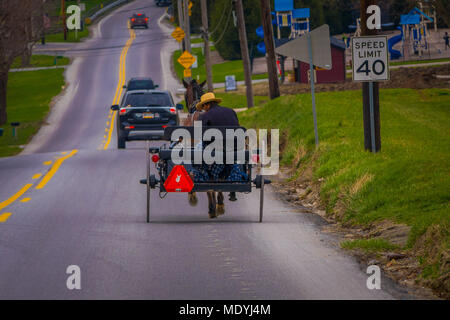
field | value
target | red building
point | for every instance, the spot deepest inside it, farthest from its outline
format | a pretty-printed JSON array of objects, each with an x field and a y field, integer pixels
[{"x": 336, "y": 74}]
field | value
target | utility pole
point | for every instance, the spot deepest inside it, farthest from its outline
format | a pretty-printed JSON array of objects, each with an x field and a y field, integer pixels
[
  {"x": 270, "y": 49},
  {"x": 181, "y": 21},
  {"x": 207, "y": 49},
  {"x": 371, "y": 92},
  {"x": 244, "y": 52},
  {"x": 187, "y": 26},
  {"x": 64, "y": 16}
]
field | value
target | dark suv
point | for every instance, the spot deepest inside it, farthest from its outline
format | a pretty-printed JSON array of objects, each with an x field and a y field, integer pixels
[
  {"x": 144, "y": 114},
  {"x": 163, "y": 3},
  {"x": 139, "y": 20},
  {"x": 140, "y": 83}
]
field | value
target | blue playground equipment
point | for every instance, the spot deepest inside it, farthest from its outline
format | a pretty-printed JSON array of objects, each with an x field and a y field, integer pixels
[
  {"x": 286, "y": 16},
  {"x": 395, "y": 54},
  {"x": 414, "y": 29}
]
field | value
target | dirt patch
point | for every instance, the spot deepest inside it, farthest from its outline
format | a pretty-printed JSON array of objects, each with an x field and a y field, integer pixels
[{"x": 414, "y": 78}]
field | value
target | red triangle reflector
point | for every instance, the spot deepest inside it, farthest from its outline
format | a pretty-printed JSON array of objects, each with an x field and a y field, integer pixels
[{"x": 178, "y": 180}]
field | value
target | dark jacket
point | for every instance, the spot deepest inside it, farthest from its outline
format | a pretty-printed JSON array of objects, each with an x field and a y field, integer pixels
[{"x": 218, "y": 116}]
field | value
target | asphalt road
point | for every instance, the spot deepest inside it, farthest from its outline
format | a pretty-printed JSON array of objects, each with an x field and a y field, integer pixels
[{"x": 87, "y": 208}]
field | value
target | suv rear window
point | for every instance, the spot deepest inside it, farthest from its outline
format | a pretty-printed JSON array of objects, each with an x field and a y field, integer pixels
[
  {"x": 146, "y": 99},
  {"x": 141, "y": 84}
]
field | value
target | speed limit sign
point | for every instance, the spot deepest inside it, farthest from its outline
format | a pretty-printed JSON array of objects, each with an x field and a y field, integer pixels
[{"x": 370, "y": 58}]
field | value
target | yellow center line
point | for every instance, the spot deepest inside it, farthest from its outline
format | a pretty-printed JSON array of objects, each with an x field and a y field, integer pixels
[
  {"x": 6, "y": 203},
  {"x": 25, "y": 200},
  {"x": 37, "y": 176},
  {"x": 49, "y": 175},
  {"x": 4, "y": 217},
  {"x": 47, "y": 163},
  {"x": 119, "y": 90}
]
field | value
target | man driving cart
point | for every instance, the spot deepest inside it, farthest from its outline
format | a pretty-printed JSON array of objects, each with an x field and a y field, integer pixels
[{"x": 214, "y": 115}]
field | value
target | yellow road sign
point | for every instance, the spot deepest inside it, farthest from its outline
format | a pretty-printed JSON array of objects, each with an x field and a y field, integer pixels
[
  {"x": 178, "y": 34},
  {"x": 190, "y": 7},
  {"x": 187, "y": 73},
  {"x": 186, "y": 60}
]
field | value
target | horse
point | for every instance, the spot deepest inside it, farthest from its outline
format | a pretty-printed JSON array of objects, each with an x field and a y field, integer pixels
[{"x": 194, "y": 91}]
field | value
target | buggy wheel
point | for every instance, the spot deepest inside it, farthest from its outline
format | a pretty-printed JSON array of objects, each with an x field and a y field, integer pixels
[
  {"x": 147, "y": 159},
  {"x": 261, "y": 200}
]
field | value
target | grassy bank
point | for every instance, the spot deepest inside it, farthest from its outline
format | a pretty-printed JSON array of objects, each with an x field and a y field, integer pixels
[
  {"x": 37, "y": 61},
  {"x": 29, "y": 96},
  {"x": 407, "y": 183},
  {"x": 219, "y": 70},
  {"x": 237, "y": 101},
  {"x": 71, "y": 36}
]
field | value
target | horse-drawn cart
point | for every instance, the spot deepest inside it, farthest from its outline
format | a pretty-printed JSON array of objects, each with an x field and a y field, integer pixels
[{"x": 175, "y": 175}]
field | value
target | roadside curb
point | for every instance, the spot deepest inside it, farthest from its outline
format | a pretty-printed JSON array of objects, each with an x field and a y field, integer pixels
[{"x": 170, "y": 82}]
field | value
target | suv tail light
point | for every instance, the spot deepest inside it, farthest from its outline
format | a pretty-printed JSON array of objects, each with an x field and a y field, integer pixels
[
  {"x": 133, "y": 19},
  {"x": 123, "y": 111},
  {"x": 146, "y": 19},
  {"x": 173, "y": 110}
]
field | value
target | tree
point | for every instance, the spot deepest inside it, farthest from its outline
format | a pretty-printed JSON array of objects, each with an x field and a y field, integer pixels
[
  {"x": 20, "y": 21},
  {"x": 224, "y": 32}
]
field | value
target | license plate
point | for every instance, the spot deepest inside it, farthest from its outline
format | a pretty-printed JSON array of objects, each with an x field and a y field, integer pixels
[{"x": 148, "y": 115}]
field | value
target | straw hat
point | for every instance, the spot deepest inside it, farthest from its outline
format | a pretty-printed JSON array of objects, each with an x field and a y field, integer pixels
[{"x": 207, "y": 98}]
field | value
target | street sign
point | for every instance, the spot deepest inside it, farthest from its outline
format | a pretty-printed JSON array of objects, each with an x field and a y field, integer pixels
[
  {"x": 47, "y": 21},
  {"x": 370, "y": 58},
  {"x": 186, "y": 60},
  {"x": 230, "y": 83},
  {"x": 187, "y": 73},
  {"x": 321, "y": 48},
  {"x": 314, "y": 48},
  {"x": 178, "y": 34},
  {"x": 195, "y": 64},
  {"x": 190, "y": 7}
]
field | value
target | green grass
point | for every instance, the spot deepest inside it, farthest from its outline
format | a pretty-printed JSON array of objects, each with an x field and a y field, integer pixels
[
  {"x": 42, "y": 61},
  {"x": 219, "y": 70},
  {"x": 59, "y": 37},
  {"x": 369, "y": 245},
  {"x": 196, "y": 40},
  {"x": 29, "y": 96},
  {"x": 236, "y": 101},
  {"x": 407, "y": 182}
]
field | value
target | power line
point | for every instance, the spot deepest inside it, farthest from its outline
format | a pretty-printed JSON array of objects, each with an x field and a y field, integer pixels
[{"x": 226, "y": 27}]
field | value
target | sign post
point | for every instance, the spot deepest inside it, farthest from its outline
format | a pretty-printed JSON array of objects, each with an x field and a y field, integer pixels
[
  {"x": 313, "y": 95},
  {"x": 370, "y": 64}
]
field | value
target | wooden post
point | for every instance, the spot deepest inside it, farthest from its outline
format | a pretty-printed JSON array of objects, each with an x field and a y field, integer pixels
[
  {"x": 370, "y": 91},
  {"x": 181, "y": 22},
  {"x": 64, "y": 16},
  {"x": 244, "y": 52},
  {"x": 187, "y": 26},
  {"x": 270, "y": 49},
  {"x": 208, "y": 66}
]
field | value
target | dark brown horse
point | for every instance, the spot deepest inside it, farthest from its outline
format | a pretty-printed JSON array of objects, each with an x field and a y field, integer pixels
[{"x": 194, "y": 91}]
